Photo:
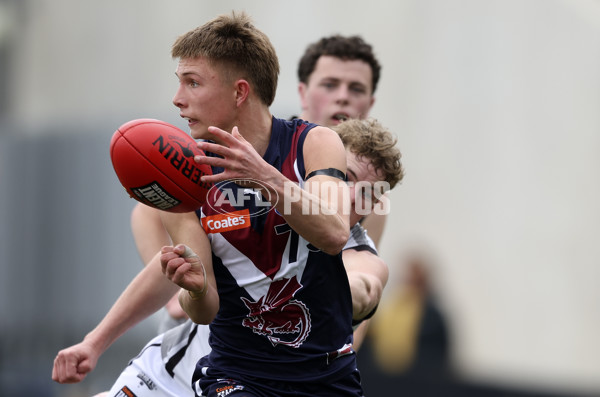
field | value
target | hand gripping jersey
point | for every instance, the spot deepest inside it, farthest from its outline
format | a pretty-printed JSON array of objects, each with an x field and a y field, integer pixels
[{"x": 285, "y": 306}]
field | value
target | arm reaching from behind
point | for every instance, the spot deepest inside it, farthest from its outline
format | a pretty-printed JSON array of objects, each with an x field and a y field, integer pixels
[
  {"x": 148, "y": 231},
  {"x": 368, "y": 275},
  {"x": 72, "y": 364},
  {"x": 150, "y": 235},
  {"x": 149, "y": 291}
]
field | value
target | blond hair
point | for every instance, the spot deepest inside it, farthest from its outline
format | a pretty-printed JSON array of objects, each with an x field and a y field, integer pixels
[
  {"x": 370, "y": 140},
  {"x": 237, "y": 48}
]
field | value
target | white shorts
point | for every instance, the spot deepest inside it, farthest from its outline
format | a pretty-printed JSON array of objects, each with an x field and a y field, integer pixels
[{"x": 165, "y": 366}]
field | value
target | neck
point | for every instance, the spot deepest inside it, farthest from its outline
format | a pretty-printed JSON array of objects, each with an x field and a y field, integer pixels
[{"x": 255, "y": 126}]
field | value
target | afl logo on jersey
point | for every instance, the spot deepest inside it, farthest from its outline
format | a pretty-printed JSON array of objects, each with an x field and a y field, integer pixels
[
  {"x": 284, "y": 321},
  {"x": 241, "y": 193}
]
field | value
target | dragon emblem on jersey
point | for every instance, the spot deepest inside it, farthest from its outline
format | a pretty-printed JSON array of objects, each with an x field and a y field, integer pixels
[{"x": 283, "y": 320}]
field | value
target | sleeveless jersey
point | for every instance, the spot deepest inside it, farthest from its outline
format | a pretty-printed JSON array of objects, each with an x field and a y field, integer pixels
[
  {"x": 165, "y": 365},
  {"x": 285, "y": 306}
]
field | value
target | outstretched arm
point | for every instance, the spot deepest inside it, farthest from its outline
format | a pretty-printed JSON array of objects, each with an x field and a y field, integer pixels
[
  {"x": 150, "y": 236},
  {"x": 148, "y": 291},
  {"x": 148, "y": 231}
]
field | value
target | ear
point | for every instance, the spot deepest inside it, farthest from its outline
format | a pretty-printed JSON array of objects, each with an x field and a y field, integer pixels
[
  {"x": 242, "y": 90},
  {"x": 302, "y": 92}
]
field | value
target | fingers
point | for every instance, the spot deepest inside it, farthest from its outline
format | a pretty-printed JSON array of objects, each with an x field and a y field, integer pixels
[
  {"x": 181, "y": 249},
  {"x": 236, "y": 134},
  {"x": 174, "y": 263},
  {"x": 182, "y": 266},
  {"x": 188, "y": 253},
  {"x": 212, "y": 148},
  {"x": 224, "y": 136},
  {"x": 226, "y": 141},
  {"x": 169, "y": 252},
  {"x": 67, "y": 369},
  {"x": 178, "y": 249},
  {"x": 171, "y": 264}
]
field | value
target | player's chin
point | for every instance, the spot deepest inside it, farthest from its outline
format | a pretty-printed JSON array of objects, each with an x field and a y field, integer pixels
[{"x": 198, "y": 131}]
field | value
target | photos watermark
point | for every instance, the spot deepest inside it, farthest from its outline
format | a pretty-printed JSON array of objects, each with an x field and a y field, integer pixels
[{"x": 324, "y": 197}]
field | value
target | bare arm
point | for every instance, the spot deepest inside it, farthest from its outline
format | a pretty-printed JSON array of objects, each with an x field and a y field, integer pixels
[
  {"x": 148, "y": 231},
  {"x": 148, "y": 291},
  {"x": 368, "y": 275},
  {"x": 330, "y": 227},
  {"x": 150, "y": 236},
  {"x": 193, "y": 270},
  {"x": 360, "y": 334}
]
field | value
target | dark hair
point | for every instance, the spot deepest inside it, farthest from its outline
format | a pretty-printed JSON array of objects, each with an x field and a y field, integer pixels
[
  {"x": 232, "y": 43},
  {"x": 346, "y": 48}
]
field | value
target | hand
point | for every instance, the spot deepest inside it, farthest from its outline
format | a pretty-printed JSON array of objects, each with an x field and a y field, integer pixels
[
  {"x": 240, "y": 159},
  {"x": 183, "y": 267},
  {"x": 72, "y": 364}
]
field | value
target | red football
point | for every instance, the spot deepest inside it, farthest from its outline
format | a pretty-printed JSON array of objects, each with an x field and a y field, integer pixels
[{"x": 154, "y": 161}]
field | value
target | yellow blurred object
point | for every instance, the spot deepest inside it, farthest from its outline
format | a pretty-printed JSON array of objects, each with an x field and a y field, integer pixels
[{"x": 395, "y": 329}]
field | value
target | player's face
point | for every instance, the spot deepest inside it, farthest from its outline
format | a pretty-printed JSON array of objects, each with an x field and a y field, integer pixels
[
  {"x": 204, "y": 97},
  {"x": 337, "y": 90},
  {"x": 362, "y": 176}
]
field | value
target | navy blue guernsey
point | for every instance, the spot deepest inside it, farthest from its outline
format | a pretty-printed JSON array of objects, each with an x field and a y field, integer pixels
[{"x": 285, "y": 307}]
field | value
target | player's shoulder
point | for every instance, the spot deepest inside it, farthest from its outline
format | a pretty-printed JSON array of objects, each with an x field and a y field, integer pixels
[{"x": 321, "y": 138}]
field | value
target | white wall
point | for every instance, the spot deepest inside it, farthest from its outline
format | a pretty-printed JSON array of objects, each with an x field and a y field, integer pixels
[{"x": 495, "y": 104}]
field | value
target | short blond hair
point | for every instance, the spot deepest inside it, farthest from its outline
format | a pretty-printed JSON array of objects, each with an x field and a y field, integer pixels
[
  {"x": 370, "y": 140},
  {"x": 238, "y": 48}
]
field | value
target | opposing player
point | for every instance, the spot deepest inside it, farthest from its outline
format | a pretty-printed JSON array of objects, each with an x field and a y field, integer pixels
[{"x": 337, "y": 79}]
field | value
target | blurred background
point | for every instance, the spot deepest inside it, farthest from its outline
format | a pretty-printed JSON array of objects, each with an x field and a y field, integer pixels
[{"x": 496, "y": 107}]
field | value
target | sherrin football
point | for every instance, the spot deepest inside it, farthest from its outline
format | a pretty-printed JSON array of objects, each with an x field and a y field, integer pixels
[{"x": 154, "y": 162}]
